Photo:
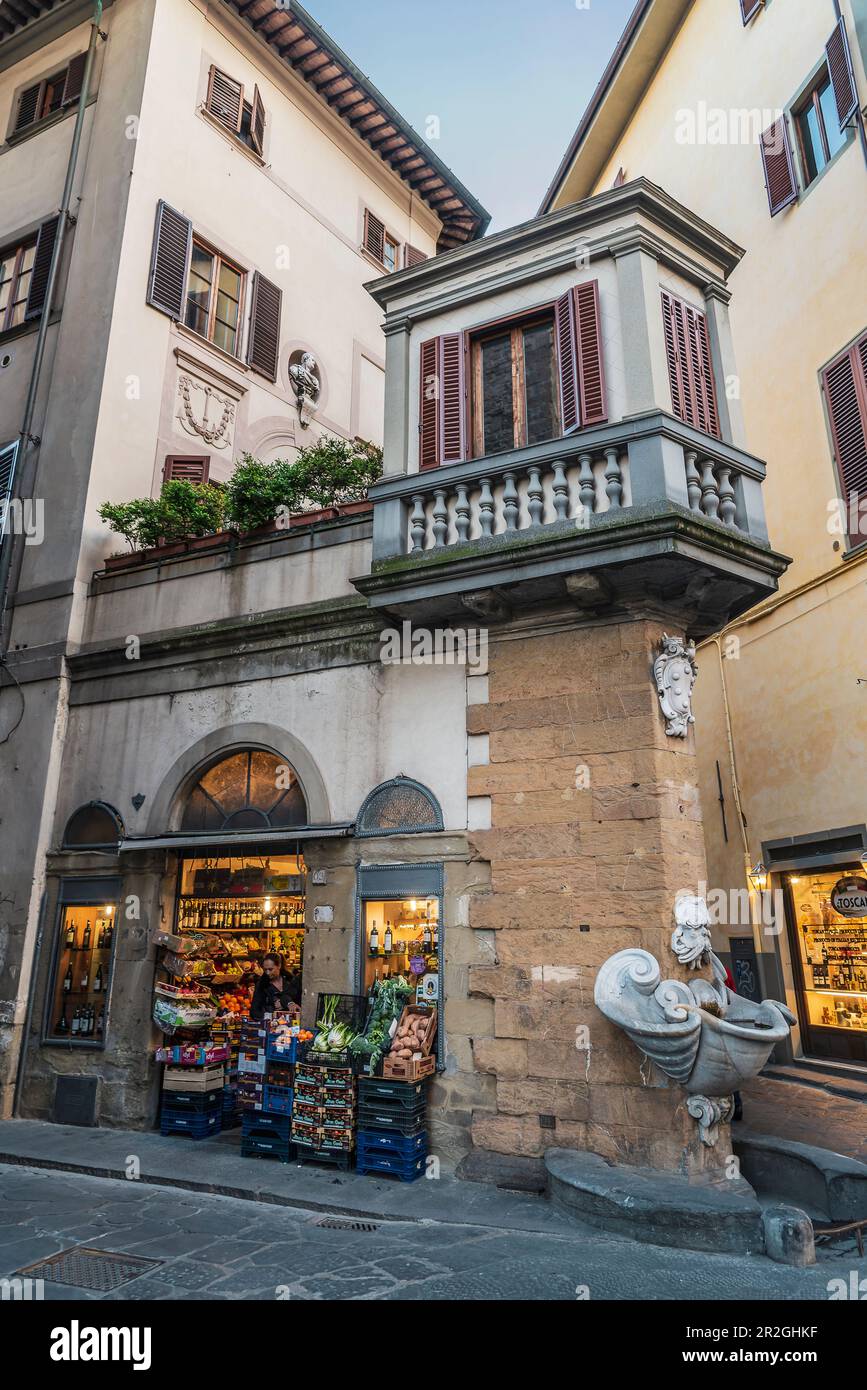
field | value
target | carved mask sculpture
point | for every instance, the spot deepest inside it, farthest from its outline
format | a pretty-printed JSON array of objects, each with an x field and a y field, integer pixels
[{"x": 675, "y": 671}]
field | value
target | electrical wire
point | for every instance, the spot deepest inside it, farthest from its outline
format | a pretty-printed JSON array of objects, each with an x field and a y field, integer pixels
[{"x": 4, "y": 667}]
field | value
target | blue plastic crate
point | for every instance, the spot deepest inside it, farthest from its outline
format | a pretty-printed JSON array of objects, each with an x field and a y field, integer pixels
[
  {"x": 374, "y": 1141},
  {"x": 267, "y": 1146},
  {"x": 278, "y": 1099},
  {"x": 288, "y": 1055},
  {"x": 196, "y": 1126},
  {"x": 191, "y": 1102},
  {"x": 261, "y": 1120},
  {"x": 407, "y": 1169}
]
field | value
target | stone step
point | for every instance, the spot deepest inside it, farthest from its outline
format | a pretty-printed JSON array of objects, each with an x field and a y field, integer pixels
[{"x": 836, "y": 1080}]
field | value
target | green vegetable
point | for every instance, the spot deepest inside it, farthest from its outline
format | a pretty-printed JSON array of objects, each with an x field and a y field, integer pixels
[
  {"x": 332, "y": 1036},
  {"x": 389, "y": 999}
]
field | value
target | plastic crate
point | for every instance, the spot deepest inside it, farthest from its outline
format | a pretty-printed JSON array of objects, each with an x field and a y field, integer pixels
[
  {"x": 277, "y": 1074},
  {"x": 197, "y": 1126},
  {"x": 277, "y": 1099},
  {"x": 407, "y": 1169},
  {"x": 396, "y": 1121},
  {"x": 338, "y": 1158},
  {"x": 372, "y": 1141},
  {"x": 189, "y": 1102},
  {"x": 262, "y": 1122},
  {"x": 267, "y": 1146},
  {"x": 287, "y": 1055},
  {"x": 408, "y": 1094}
]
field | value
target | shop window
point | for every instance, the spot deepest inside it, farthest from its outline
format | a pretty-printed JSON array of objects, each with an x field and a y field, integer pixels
[
  {"x": 78, "y": 1000},
  {"x": 829, "y": 922},
  {"x": 401, "y": 937},
  {"x": 399, "y": 807},
  {"x": 252, "y": 790},
  {"x": 94, "y": 826}
]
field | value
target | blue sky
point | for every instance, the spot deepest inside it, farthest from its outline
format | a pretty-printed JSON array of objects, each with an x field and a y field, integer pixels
[{"x": 508, "y": 80}]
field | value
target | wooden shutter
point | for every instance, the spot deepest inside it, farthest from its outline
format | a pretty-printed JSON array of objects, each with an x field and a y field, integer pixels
[
  {"x": 28, "y": 105},
  {"x": 690, "y": 369},
  {"x": 412, "y": 256},
  {"x": 264, "y": 342},
  {"x": 749, "y": 8},
  {"x": 428, "y": 408},
  {"x": 443, "y": 401},
  {"x": 567, "y": 361},
  {"x": 374, "y": 236},
  {"x": 779, "y": 166},
  {"x": 591, "y": 369},
  {"x": 842, "y": 76},
  {"x": 845, "y": 385},
  {"x": 170, "y": 257},
  {"x": 41, "y": 267},
  {"x": 8, "y": 455},
  {"x": 257, "y": 122},
  {"x": 74, "y": 79},
  {"x": 182, "y": 468},
  {"x": 225, "y": 99}
]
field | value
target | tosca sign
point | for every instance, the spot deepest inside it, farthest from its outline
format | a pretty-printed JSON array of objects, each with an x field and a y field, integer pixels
[{"x": 849, "y": 896}]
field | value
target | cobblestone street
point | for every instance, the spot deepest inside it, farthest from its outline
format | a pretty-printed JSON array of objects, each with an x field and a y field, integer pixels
[{"x": 213, "y": 1247}]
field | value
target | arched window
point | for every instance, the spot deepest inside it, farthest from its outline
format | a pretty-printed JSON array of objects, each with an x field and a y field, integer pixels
[
  {"x": 94, "y": 826},
  {"x": 399, "y": 807},
  {"x": 253, "y": 790}
]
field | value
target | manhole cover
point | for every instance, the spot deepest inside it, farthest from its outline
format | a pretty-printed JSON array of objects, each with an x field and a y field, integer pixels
[
  {"x": 85, "y": 1268},
  {"x": 345, "y": 1223}
]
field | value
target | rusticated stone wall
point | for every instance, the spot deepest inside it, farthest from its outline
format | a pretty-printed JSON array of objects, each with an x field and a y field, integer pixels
[{"x": 596, "y": 825}]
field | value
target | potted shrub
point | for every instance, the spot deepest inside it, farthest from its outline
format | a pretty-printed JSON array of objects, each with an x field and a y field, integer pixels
[
  {"x": 332, "y": 477},
  {"x": 156, "y": 527}
]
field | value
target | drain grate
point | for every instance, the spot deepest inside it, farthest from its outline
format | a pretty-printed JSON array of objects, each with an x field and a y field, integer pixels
[
  {"x": 345, "y": 1223},
  {"x": 85, "y": 1268}
]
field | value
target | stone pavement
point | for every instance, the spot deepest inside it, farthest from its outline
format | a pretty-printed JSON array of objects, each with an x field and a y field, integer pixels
[
  {"x": 214, "y": 1247},
  {"x": 807, "y": 1114}
]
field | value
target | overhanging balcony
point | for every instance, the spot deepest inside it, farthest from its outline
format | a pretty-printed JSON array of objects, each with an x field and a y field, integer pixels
[{"x": 646, "y": 513}]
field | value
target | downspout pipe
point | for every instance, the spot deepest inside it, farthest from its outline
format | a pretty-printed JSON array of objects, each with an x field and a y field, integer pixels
[{"x": 11, "y": 555}]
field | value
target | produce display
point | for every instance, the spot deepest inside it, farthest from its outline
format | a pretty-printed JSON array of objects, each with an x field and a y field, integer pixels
[
  {"x": 389, "y": 998},
  {"x": 331, "y": 1035}
]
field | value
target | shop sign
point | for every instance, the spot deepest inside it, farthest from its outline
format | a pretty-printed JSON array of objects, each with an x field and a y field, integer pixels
[{"x": 849, "y": 896}]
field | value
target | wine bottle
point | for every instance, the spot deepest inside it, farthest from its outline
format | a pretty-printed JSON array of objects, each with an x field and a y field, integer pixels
[
  {"x": 436, "y": 936},
  {"x": 63, "y": 1021},
  {"x": 100, "y": 940},
  {"x": 76, "y": 1023},
  {"x": 109, "y": 934},
  {"x": 97, "y": 980},
  {"x": 70, "y": 937},
  {"x": 374, "y": 940},
  {"x": 388, "y": 944},
  {"x": 82, "y": 984},
  {"x": 85, "y": 940},
  {"x": 426, "y": 936},
  {"x": 67, "y": 979}
]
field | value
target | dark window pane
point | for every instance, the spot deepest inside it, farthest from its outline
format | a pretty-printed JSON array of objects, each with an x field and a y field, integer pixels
[
  {"x": 811, "y": 140},
  {"x": 499, "y": 430},
  {"x": 836, "y": 138},
  {"x": 540, "y": 378}
]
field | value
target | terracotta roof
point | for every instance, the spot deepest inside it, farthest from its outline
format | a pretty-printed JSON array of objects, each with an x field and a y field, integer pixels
[{"x": 296, "y": 37}]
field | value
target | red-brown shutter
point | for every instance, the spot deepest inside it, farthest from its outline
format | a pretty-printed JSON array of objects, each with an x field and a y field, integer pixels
[
  {"x": 591, "y": 368},
  {"x": 374, "y": 236},
  {"x": 257, "y": 122},
  {"x": 567, "y": 361},
  {"x": 74, "y": 79},
  {"x": 264, "y": 342},
  {"x": 845, "y": 385},
  {"x": 452, "y": 398},
  {"x": 442, "y": 420},
  {"x": 690, "y": 369},
  {"x": 28, "y": 105},
  {"x": 779, "y": 166},
  {"x": 225, "y": 99},
  {"x": 428, "y": 412},
  {"x": 749, "y": 8},
  {"x": 842, "y": 75},
  {"x": 170, "y": 257},
  {"x": 41, "y": 267},
  {"x": 412, "y": 256},
  {"x": 186, "y": 469}
]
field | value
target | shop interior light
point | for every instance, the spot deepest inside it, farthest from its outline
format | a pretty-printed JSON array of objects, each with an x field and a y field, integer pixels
[
  {"x": 758, "y": 877},
  {"x": 793, "y": 878},
  {"x": 108, "y": 910},
  {"x": 863, "y": 859},
  {"x": 413, "y": 905},
  {"x": 266, "y": 906}
]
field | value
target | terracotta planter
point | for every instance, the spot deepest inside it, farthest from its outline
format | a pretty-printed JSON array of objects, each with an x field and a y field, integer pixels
[
  {"x": 330, "y": 513},
  {"x": 168, "y": 551}
]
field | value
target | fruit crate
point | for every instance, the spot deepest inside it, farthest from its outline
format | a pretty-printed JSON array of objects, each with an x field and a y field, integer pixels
[
  {"x": 408, "y": 1068},
  {"x": 202, "y": 1078},
  {"x": 196, "y": 1126},
  {"x": 395, "y": 1121},
  {"x": 277, "y": 1099},
  {"x": 371, "y": 1141},
  {"x": 428, "y": 1014},
  {"x": 403, "y": 1094},
  {"x": 407, "y": 1169},
  {"x": 288, "y": 1055}
]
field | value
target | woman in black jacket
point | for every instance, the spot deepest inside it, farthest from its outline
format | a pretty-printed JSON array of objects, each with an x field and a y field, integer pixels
[{"x": 275, "y": 988}]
